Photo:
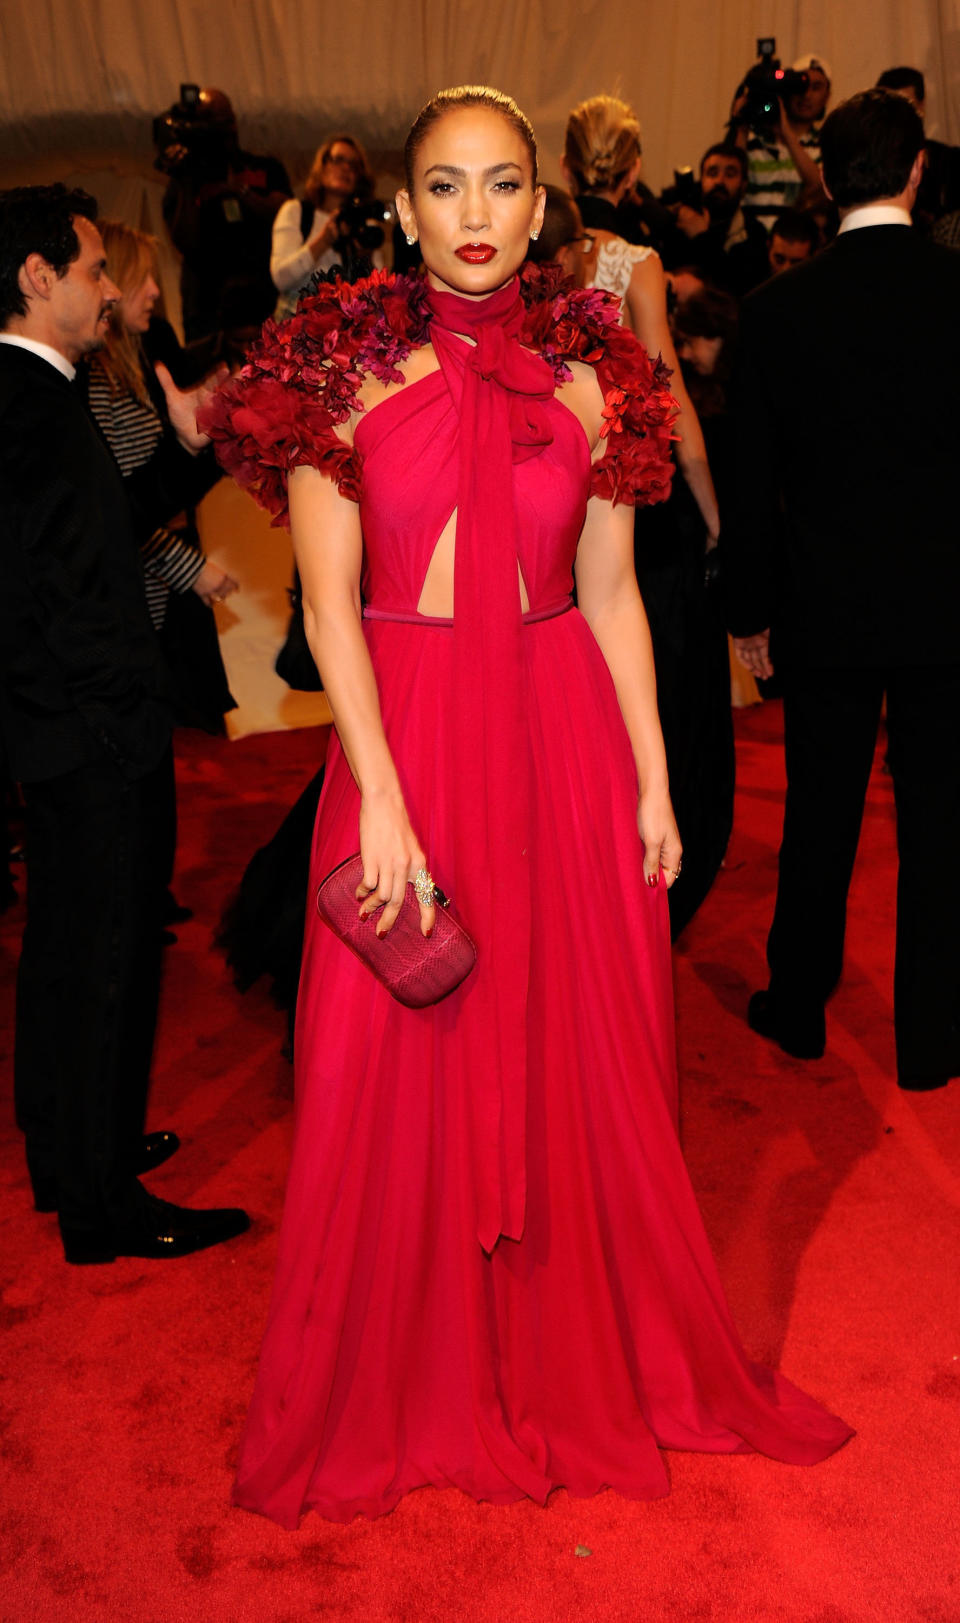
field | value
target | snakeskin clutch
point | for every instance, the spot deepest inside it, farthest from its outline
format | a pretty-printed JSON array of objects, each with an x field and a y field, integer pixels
[{"x": 415, "y": 969}]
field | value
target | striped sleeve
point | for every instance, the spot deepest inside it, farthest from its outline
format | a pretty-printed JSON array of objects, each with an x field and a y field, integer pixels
[{"x": 171, "y": 558}]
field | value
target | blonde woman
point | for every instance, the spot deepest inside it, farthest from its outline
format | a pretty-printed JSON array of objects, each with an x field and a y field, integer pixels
[
  {"x": 601, "y": 162},
  {"x": 673, "y": 543},
  {"x": 127, "y": 402}
]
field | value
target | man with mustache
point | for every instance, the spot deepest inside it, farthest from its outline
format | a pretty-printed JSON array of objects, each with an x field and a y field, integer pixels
[{"x": 85, "y": 724}]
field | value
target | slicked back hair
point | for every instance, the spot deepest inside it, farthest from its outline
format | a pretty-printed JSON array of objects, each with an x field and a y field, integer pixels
[{"x": 450, "y": 101}]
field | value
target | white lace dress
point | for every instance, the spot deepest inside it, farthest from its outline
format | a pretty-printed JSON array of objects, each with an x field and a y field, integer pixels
[{"x": 615, "y": 261}]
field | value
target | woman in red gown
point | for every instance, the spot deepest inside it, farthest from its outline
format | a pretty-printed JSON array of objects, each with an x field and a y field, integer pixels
[{"x": 492, "y": 1272}]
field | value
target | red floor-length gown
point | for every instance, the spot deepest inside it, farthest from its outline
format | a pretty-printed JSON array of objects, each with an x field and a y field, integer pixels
[{"x": 406, "y": 1344}]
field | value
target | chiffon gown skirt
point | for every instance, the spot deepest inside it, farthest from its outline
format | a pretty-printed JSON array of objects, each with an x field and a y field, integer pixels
[{"x": 400, "y": 1350}]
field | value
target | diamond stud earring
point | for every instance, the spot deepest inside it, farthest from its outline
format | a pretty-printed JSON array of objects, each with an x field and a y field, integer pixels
[{"x": 410, "y": 240}]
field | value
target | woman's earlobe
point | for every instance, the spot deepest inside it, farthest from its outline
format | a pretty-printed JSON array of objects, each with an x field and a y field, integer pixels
[{"x": 405, "y": 215}]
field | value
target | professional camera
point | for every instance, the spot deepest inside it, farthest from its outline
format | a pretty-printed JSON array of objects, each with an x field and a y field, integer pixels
[
  {"x": 361, "y": 221},
  {"x": 766, "y": 86},
  {"x": 686, "y": 188},
  {"x": 188, "y": 138}
]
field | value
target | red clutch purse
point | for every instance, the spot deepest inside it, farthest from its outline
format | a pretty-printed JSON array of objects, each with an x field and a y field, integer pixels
[{"x": 415, "y": 969}]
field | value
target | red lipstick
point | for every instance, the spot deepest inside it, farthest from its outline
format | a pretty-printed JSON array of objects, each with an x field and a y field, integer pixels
[{"x": 476, "y": 253}]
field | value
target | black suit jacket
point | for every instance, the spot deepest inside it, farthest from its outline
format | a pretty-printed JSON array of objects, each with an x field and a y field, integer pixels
[
  {"x": 841, "y": 532},
  {"x": 81, "y": 673}
]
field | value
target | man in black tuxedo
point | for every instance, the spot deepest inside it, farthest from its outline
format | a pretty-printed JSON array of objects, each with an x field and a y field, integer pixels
[
  {"x": 86, "y": 726},
  {"x": 842, "y": 560}
]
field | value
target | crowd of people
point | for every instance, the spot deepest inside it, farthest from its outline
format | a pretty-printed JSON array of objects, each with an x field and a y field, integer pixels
[{"x": 584, "y": 417}]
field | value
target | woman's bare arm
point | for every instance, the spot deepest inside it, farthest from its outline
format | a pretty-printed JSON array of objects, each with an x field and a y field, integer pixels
[
  {"x": 328, "y": 545},
  {"x": 646, "y": 301},
  {"x": 609, "y": 600}
]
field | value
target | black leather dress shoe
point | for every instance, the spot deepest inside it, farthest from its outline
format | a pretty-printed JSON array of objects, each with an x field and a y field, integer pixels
[
  {"x": 151, "y": 1152},
  {"x": 158, "y": 1230},
  {"x": 800, "y": 1039}
]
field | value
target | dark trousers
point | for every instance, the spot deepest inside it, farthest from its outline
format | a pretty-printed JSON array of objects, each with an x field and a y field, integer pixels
[
  {"x": 830, "y": 731},
  {"x": 89, "y": 981}
]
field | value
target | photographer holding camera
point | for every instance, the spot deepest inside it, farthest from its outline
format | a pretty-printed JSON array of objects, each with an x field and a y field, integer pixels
[
  {"x": 332, "y": 229},
  {"x": 711, "y": 229},
  {"x": 219, "y": 207},
  {"x": 775, "y": 117}
]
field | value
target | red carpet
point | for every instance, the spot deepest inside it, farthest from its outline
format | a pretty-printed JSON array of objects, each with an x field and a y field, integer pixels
[{"x": 834, "y": 1206}]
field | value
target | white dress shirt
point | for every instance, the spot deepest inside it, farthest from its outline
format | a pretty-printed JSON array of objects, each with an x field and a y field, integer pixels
[{"x": 874, "y": 214}]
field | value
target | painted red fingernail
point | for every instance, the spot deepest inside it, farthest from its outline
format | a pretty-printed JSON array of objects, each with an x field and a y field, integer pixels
[{"x": 652, "y": 879}]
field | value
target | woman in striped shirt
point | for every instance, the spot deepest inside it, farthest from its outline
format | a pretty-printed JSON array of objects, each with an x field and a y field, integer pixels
[
  {"x": 127, "y": 402},
  {"x": 128, "y": 405}
]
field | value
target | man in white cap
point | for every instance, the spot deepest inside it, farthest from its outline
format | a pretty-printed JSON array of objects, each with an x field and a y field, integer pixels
[{"x": 783, "y": 162}]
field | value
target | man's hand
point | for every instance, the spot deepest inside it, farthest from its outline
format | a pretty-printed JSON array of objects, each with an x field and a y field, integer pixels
[
  {"x": 808, "y": 171},
  {"x": 692, "y": 222},
  {"x": 754, "y": 652},
  {"x": 738, "y": 104},
  {"x": 183, "y": 405}
]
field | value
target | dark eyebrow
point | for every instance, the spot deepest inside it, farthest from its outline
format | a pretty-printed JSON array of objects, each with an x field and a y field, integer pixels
[{"x": 452, "y": 169}]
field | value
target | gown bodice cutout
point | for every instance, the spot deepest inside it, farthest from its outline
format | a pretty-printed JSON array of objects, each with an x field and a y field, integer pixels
[{"x": 409, "y": 446}]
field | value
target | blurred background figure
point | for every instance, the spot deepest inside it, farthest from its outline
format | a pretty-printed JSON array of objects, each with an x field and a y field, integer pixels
[
  {"x": 321, "y": 232},
  {"x": 794, "y": 238},
  {"x": 683, "y": 283},
  {"x": 779, "y": 129},
  {"x": 940, "y": 188},
  {"x": 219, "y": 207},
  {"x": 128, "y": 404},
  {"x": 673, "y": 542},
  {"x": 705, "y": 330},
  {"x": 711, "y": 228},
  {"x": 562, "y": 238},
  {"x": 601, "y": 162}
]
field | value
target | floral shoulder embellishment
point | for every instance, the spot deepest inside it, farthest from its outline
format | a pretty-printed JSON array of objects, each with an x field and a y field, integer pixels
[
  {"x": 342, "y": 331},
  {"x": 566, "y": 323},
  {"x": 302, "y": 378}
]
